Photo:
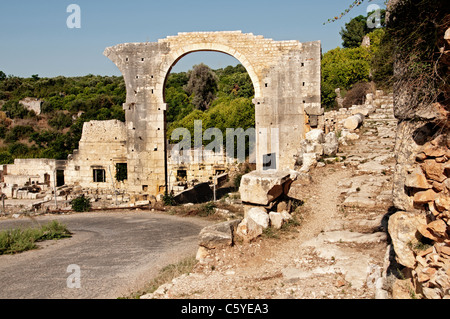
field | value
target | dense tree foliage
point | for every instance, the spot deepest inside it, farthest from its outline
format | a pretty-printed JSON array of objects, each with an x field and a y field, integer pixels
[
  {"x": 345, "y": 67},
  {"x": 67, "y": 104},
  {"x": 202, "y": 86},
  {"x": 224, "y": 100}
]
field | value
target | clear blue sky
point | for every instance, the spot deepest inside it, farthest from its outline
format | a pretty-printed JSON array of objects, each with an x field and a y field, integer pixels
[{"x": 34, "y": 37}]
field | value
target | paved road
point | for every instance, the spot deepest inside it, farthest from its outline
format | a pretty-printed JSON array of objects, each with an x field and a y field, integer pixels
[{"x": 115, "y": 252}]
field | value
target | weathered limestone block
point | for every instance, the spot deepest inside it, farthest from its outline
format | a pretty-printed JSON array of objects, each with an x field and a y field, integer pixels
[
  {"x": 309, "y": 162},
  {"x": 331, "y": 144},
  {"x": 434, "y": 170},
  {"x": 278, "y": 219},
  {"x": 424, "y": 197},
  {"x": 262, "y": 187},
  {"x": 259, "y": 216},
  {"x": 403, "y": 231},
  {"x": 248, "y": 229},
  {"x": 316, "y": 136}
]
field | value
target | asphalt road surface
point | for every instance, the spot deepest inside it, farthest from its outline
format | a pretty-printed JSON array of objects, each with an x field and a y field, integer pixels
[{"x": 110, "y": 255}]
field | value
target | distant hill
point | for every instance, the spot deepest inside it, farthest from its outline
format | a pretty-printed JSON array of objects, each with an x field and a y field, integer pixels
[{"x": 67, "y": 102}]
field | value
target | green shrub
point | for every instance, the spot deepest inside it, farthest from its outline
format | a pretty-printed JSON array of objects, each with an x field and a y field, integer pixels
[
  {"x": 169, "y": 200},
  {"x": 81, "y": 204}
]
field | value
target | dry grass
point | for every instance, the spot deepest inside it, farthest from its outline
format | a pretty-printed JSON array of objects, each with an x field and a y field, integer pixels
[{"x": 166, "y": 275}]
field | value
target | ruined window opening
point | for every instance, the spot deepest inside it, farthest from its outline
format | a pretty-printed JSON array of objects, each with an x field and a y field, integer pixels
[
  {"x": 99, "y": 176},
  {"x": 47, "y": 179},
  {"x": 181, "y": 175},
  {"x": 303, "y": 64},
  {"x": 269, "y": 161},
  {"x": 59, "y": 178},
  {"x": 142, "y": 59},
  {"x": 145, "y": 188},
  {"x": 266, "y": 85},
  {"x": 121, "y": 172},
  {"x": 219, "y": 172},
  {"x": 303, "y": 83},
  {"x": 77, "y": 168}
]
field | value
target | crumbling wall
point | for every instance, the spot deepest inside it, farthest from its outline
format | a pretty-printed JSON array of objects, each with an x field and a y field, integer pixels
[
  {"x": 102, "y": 146},
  {"x": 40, "y": 172}
]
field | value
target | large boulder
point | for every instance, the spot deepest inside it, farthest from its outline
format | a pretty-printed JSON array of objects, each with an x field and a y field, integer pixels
[
  {"x": 263, "y": 187},
  {"x": 403, "y": 230}
]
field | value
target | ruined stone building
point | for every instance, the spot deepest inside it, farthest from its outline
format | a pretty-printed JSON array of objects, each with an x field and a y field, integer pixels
[{"x": 286, "y": 79}]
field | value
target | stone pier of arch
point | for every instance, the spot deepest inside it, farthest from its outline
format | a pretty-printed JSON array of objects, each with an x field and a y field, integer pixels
[{"x": 286, "y": 79}]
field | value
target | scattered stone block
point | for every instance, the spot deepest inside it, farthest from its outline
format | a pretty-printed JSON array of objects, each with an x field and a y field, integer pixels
[
  {"x": 219, "y": 235},
  {"x": 263, "y": 187},
  {"x": 354, "y": 121},
  {"x": 276, "y": 220},
  {"x": 259, "y": 216},
  {"x": 248, "y": 230}
]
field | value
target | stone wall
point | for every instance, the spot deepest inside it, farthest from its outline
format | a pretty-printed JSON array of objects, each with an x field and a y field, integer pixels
[
  {"x": 29, "y": 172},
  {"x": 102, "y": 146}
]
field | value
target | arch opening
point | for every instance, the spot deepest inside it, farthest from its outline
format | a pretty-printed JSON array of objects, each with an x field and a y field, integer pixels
[{"x": 233, "y": 96}]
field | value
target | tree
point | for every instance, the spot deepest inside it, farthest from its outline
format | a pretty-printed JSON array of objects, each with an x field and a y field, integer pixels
[
  {"x": 202, "y": 85},
  {"x": 2, "y": 76},
  {"x": 354, "y": 32}
]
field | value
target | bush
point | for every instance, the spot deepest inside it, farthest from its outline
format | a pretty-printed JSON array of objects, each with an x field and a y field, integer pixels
[
  {"x": 169, "y": 200},
  {"x": 357, "y": 94},
  {"x": 81, "y": 204}
]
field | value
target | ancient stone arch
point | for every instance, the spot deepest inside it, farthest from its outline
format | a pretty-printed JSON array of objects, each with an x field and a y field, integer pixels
[{"x": 286, "y": 79}]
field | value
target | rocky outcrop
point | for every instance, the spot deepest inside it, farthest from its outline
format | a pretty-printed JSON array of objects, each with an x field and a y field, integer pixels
[{"x": 420, "y": 230}]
